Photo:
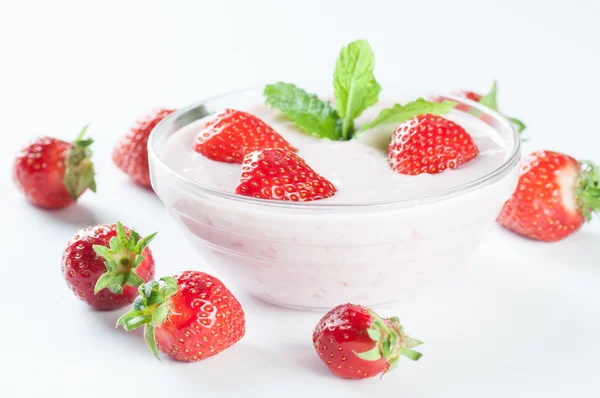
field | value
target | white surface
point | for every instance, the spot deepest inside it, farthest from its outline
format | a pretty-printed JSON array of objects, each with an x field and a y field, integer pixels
[{"x": 521, "y": 320}]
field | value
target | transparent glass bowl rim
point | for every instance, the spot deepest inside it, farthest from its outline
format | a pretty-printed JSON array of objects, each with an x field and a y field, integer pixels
[{"x": 496, "y": 175}]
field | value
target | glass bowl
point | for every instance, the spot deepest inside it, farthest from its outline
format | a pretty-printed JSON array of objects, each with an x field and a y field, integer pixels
[{"x": 311, "y": 255}]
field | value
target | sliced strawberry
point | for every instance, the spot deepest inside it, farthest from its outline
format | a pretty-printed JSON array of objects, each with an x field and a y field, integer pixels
[
  {"x": 131, "y": 153},
  {"x": 355, "y": 343},
  {"x": 281, "y": 175},
  {"x": 555, "y": 196},
  {"x": 53, "y": 173},
  {"x": 430, "y": 144},
  {"x": 229, "y": 135}
]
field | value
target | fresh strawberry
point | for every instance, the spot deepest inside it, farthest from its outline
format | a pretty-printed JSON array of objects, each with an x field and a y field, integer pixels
[
  {"x": 54, "y": 173},
  {"x": 490, "y": 100},
  {"x": 430, "y": 144},
  {"x": 555, "y": 196},
  {"x": 281, "y": 175},
  {"x": 104, "y": 264},
  {"x": 131, "y": 152},
  {"x": 229, "y": 135},
  {"x": 355, "y": 343},
  {"x": 190, "y": 316}
]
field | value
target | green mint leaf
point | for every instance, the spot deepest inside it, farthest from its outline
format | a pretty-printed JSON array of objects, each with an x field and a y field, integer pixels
[
  {"x": 306, "y": 110},
  {"x": 491, "y": 99},
  {"x": 519, "y": 125},
  {"x": 354, "y": 84},
  {"x": 398, "y": 113}
]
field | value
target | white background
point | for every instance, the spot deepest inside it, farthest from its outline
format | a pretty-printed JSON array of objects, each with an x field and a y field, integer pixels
[{"x": 522, "y": 319}]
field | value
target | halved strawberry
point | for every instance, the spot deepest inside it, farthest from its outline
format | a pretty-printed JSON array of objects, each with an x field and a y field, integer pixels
[
  {"x": 229, "y": 135},
  {"x": 281, "y": 175},
  {"x": 555, "y": 195},
  {"x": 430, "y": 144}
]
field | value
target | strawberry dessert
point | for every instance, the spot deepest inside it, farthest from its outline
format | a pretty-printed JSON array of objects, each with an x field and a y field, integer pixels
[{"x": 306, "y": 199}]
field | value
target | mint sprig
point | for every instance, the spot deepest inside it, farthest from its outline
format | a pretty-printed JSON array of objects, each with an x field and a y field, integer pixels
[
  {"x": 355, "y": 89},
  {"x": 401, "y": 113},
  {"x": 491, "y": 101},
  {"x": 307, "y": 111}
]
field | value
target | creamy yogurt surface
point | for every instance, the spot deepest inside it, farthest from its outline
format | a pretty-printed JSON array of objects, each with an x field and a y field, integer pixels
[{"x": 358, "y": 168}]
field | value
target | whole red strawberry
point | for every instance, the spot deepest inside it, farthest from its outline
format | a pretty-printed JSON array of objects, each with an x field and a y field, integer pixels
[
  {"x": 430, "y": 144},
  {"x": 54, "y": 173},
  {"x": 228, "y": 136},
  {"x": 190, "y": 316},
  {"x": 131, "y": 152},
  {"x": 355, "y": 343},
  {"x": 555, "y": 196},
  {"x": 103, "y": 265},
  {"x": 281, "y": 175}
]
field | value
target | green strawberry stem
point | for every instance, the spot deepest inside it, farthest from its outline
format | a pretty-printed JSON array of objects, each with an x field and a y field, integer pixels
[
  {"x": 391, "y": 342},
  {"x": 79, "y": 169},
  {"x": 150, "y": 308},
  {"x": 588, "y": 189},
  {"x": 122, "y": 257}
]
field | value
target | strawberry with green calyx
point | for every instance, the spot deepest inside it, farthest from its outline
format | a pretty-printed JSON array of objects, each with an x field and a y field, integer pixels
[
  {"x": 555, "y": 196},
  {"x": 123, "y": 256},
  {"x": 150, "y": 309},
  {"x": 356, "y": 343},
  {"x": 190, "y": 316},
  {"x": 53, "y": 173},
  {"x": 79, "y": 169},
  {"x": 103, "y": 265},
  {"x": 355, "y": 90}
]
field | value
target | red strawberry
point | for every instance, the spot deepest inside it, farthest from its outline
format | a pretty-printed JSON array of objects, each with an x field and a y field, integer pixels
[
  {"x": 355, "y": 343},
  {"x": 430, "y": 144},
  {"x": 190, "y": 316},
  {"x": 103, "y": 265},
  {"x": 555, "y": 196},
  {"x": 228, "y": 136},
  {"x": 281, "y": 175},
  {"x": 131, "y": 153},
  {"x": 54, "y": 173}
]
